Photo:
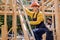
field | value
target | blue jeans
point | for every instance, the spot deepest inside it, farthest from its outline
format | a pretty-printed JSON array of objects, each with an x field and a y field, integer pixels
[
  {"x": 38, "y": 32},
  {"x": 49, "y": 35}
]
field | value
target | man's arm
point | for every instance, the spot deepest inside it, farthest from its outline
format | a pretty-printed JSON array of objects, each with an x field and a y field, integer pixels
[
  {"x": 39, "y": 19},
  {"x": 28, "y": 12}
]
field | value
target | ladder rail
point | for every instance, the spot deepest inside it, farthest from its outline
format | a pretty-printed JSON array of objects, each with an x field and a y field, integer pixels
[
  {"x": 23, "y": 24},
  {"x": 21, "y": 4}
]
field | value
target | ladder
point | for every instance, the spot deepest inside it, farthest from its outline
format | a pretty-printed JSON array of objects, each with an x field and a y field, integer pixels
[{"x": 23, "y": 21}]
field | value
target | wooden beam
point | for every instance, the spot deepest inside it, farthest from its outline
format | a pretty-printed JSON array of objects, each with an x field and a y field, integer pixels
[
  {"x": 4, "y": 28},
  {"x": 57, "y": 19},
  {"x": 14, "y": 19},
  {"x": 48, "y": 13},
  {"x": 3, "y": 12},
  {"x": 10, "y": 13},
  {"x": 4, "y": 32},
  {"x": 43, "y": 8}
]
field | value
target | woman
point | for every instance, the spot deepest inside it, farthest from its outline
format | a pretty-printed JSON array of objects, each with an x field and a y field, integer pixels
[
  {"x": 37, "y": 20},
  {"x": 50, "y": 29}
]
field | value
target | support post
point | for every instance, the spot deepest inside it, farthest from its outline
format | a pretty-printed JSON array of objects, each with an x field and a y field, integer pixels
[
  {"x": 57, "y": 19},
  {"x": 4, "y": 32},
  {"x": 14, "y": 19},
  {"x": 4, "y": 28}
]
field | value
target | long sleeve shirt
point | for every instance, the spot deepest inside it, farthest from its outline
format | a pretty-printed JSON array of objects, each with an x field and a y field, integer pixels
[
  {"x": 39, "y": 17},
  {"x": 49, "y": 27}
]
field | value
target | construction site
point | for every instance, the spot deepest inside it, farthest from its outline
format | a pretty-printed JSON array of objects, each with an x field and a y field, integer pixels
[{"x": 29, "y": 19}]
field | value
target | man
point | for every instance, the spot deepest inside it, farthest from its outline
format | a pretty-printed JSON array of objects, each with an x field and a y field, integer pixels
[{"x": 37, "y": 20}]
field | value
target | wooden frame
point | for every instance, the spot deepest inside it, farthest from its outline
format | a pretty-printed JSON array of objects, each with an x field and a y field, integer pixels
[{"x": 14, "y": 13}]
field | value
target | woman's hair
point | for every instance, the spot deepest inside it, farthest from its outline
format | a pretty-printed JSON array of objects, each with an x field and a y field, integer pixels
[{"x": 49, "y": 18}]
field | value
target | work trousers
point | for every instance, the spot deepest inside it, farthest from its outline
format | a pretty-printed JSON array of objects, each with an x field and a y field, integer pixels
[
  {"x": 38, "y": 32},
  {"x": 49, "y": 35}
]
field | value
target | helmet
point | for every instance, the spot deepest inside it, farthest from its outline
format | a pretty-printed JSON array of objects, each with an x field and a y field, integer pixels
[{"x": 34, "y": 4}]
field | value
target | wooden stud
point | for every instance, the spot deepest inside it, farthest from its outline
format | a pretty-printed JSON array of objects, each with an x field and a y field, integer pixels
[
  {"x": 4, "y": 28},
  {"x": 43, "y": 8},
  {"x": 57, "y": 19},
  {"x": 4, "y": 32},
  {"x": 54, "y": 35},
  {"x": 14, "y": 19}
]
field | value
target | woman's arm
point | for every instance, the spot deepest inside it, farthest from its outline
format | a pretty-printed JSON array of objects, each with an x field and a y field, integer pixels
[{"x": 49, "y": 27}]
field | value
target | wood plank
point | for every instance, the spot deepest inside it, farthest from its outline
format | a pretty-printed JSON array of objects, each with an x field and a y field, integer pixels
[
  {"x": 3, "y": 12},
  {"x": 4, "y": 28},
  {"x": 57, "y": 19},
  {"x": 4, "y": 32},
  {"x": 14, "y": 19}
]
